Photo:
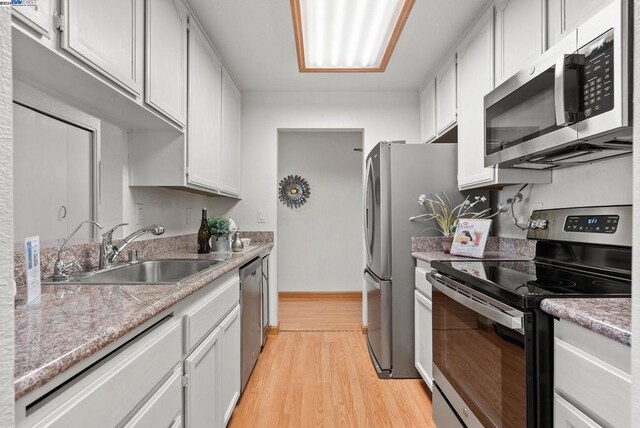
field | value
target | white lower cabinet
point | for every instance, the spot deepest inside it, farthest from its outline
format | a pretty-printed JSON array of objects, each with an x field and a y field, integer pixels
[
  {"x": 164, "y": 408},
  {"x": 592, "y": 379},
  {"x": 231, "y": 339},
  {"x": 423, "y": 325}
]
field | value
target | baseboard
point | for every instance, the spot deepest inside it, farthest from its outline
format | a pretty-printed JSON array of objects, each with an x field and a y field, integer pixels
[
  {"x": 356, "y": 295},
  {"x": 273, "y": 330}
]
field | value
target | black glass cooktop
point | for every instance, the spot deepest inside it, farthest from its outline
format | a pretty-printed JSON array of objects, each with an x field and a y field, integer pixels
[{"x": 525, "y": 283}]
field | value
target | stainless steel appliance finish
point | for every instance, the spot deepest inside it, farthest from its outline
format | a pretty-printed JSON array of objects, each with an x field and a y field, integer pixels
[
  {"x": 573, "y": 105},
  {"x": 251, "y": 320},
  {"x": 397, "y": 174},
  {"x": 492, "y": 345},
  {"x": 264, "y": 295}
]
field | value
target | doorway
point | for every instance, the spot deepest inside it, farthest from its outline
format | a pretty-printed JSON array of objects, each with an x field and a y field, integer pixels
[{"x": 320, "y": 243}]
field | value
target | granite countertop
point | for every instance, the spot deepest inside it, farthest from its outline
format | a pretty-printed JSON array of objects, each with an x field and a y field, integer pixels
[
  {"x": 610, "y": 317},
  {"x": 73, "y": 321},
  {"x": 435, "y": 255}
]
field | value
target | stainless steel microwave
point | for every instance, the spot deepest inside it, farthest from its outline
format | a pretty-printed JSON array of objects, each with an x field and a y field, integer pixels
[{"x": 573, "y": 105}]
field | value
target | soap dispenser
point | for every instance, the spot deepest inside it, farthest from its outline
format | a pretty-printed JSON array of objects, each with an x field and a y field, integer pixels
[{"x": 237, "y": 244}]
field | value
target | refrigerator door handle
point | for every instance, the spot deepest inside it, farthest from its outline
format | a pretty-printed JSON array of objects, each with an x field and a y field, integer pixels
[{"x": 369, "y": 212}]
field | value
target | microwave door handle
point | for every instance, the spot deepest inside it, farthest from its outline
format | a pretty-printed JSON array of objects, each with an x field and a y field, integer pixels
[{"x": 563, "y": 117}]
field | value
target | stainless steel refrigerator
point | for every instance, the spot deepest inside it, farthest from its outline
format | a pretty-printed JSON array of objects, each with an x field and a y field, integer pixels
[{"x": 397, "y": 174}]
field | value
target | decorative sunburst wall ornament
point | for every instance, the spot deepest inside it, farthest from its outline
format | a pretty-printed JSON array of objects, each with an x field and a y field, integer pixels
[{"x": 294, "y": 191}]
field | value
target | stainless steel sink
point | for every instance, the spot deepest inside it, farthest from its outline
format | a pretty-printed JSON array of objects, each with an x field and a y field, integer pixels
[{"x": 169, "y": 271}]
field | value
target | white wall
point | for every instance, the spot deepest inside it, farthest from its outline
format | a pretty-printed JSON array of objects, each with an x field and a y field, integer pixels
[
  {"x": 320, "y": 243},
  {"x": 608, "y": 182},
  {"x": 381, "y": 115},
  {"x": 635, "y": 317},
  {"x": 7, "y": 289}
]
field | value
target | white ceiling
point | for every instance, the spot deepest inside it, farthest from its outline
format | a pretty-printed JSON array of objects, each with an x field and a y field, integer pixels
[{"x": 256, "y": 43}]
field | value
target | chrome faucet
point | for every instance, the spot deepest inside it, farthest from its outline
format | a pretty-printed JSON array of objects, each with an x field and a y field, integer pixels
[
  {"x": 61, "y": 269},
  {"x": 109, "y": 252}
]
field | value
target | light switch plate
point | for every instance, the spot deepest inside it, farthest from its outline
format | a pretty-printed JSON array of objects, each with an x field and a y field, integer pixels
[
  {"x": 262, "y": 216},
  {"x": 139, "y": 213}
]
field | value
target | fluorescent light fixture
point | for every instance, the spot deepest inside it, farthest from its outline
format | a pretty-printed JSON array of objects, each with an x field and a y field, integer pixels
[{"x": 347, "y": 35}]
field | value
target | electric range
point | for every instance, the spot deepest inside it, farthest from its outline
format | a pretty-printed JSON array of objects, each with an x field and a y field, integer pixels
[{"x": 492, "y": 345}]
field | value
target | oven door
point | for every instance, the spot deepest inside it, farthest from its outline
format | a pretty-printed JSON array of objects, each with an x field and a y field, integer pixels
[
  {"x": 536, "y": 109},
  {"x": 479, "y": 357}
]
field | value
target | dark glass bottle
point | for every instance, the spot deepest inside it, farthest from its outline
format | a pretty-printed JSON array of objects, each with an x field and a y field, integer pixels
[{"x": 204, "y": 234}]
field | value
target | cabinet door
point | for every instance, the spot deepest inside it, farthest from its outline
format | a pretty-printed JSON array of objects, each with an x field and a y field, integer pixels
[
  {"x": 566, "y": 15},
  {"x": 230, "y": 390},
  {"x": 475, "y": 80},
  {"x": 204, "y": 130},
  {"x": 566, "y": 415},
  {"x": 164, "y": 407},
  {"x": 109, "y": 36},
  {"x": 423, "y": 338},
  {"x": 203, "y": 370},
  {"x": 428, "y": 112},
  {"x": 446, "y": 95},
  {"x": 519, "y": 35},
  {"x": 231, "y": 112},
  {"x": 38, "y": 17},
  {"x": 166, "y": 58}
]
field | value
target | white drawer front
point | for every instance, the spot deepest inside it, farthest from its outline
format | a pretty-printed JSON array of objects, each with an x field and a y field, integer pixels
[
  {"x": 117, "y": 387},
  {"x": 422, "y": 284},
  {"x": 210, "y": 309},
  {"x": 593, "y": 384},
  {"x": 163, "y": 408},
  {"x": 567, "y": 416}
]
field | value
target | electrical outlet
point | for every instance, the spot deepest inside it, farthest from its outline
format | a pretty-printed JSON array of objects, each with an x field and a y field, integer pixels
[
  {"x": 139, "y": 213},
  {"x": 262, "y": 216},
  {"x": 188, "y": 215}
]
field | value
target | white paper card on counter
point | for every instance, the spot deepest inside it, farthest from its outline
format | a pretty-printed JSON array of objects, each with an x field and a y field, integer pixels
[
  {"x": 32, "y": 262},
  {"x": 471, "y": 237}
]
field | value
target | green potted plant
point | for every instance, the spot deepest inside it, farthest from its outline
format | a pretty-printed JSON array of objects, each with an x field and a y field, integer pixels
[
  {"x": 445, "y": 215},
  {"x": 219, "y": 227}
]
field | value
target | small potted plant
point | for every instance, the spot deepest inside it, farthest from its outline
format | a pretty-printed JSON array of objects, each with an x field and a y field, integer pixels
[
  {"x": 446, "y": 216},
  {"x": 219, "y": 227}
]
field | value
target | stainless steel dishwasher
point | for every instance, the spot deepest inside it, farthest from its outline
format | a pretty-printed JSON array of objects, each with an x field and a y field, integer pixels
[
  {"x": 265, "y": 298},
  {"x": 250, "y": 309}
]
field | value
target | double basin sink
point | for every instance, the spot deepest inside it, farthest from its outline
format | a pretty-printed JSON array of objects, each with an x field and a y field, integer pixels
[{"x": 164, "y": 271}]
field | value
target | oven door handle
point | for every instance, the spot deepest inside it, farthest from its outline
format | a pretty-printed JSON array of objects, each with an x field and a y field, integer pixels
[{"x": 458, "y": 293}]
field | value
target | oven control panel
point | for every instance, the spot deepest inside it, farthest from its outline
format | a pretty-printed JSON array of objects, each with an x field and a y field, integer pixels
[
  {"x": 597, "y": 76},
  {"x": 592, "y": 223}
]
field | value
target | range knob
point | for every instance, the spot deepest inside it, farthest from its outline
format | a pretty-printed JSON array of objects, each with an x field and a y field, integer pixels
[{"x": 538, "y": 223}]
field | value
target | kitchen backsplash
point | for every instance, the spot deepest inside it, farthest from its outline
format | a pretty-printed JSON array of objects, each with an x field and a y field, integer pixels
[
  {"x": 88, "y": 255},
  {"x": 513, "y": 246}
]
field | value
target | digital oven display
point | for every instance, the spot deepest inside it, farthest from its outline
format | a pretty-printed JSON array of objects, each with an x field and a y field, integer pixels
[{"x": 592, "y": 224}]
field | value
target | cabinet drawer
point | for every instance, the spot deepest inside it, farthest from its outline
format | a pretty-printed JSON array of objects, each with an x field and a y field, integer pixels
[
  {"x": 422, "y": 283},
  {"x": 593, "y": 384},
  {"x": 567, "y": 416},
  {"x": 163, "y": 408},
  {"x": 209, "y": 310},
  {"x": 114, "y": 389}
]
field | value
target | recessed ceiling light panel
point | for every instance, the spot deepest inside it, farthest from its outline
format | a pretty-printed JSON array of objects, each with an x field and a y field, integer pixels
[{"x": 347, "y": 35}]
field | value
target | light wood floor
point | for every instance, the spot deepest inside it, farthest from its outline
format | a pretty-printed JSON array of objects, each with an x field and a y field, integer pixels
[
  {"x": 320, "y": 313},
  {"x": 326, "y": 379}
]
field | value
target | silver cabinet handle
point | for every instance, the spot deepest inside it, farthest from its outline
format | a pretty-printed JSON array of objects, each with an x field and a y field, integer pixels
[{"x": 478, "y": 303}]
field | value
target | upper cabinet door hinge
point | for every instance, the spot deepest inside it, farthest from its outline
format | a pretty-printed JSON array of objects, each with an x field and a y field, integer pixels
[
  {"x": 185, "y": 381},
  {"x": 188, "y": 24},
  {"x": 58, "y": 21}
]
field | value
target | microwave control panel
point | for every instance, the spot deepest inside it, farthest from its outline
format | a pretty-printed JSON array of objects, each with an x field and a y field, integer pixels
[
  {"x": 597, "y": 76},
  {"x": 592, "y": 224}
]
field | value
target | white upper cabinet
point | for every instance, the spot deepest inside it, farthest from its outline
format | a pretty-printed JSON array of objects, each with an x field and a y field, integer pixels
[
  {"x": 446, "y": 112},
  {"x": 428, "y": 112},
  {"x": 519, "y": 35},
  {"x": 204, "y": 132},
  {"x": 566, "y": 15},
  {"x": 38, "y": 17},
  {"x": 475, "y": 80},
  {"x": 166, "y": 58},
  {"x": 231, "y": 114},
  {"x": 109, "y": 36}
]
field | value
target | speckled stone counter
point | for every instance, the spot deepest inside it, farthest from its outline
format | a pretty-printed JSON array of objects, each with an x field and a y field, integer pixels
[
  {"x": 430, "y": 249},
  {"x": 609, "y": 317},
  {"x": 72, "y": 321}
]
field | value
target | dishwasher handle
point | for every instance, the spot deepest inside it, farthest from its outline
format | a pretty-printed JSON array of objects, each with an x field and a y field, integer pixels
[{"x": 478, "y": 302}]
